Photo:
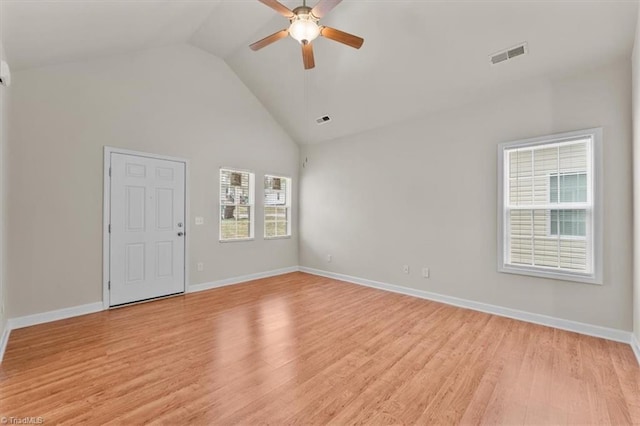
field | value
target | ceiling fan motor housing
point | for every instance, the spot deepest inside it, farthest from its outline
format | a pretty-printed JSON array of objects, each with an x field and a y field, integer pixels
[{"x": 303, "y": 10}]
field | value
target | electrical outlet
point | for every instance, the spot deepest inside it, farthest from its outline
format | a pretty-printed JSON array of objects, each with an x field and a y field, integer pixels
[
  {"x": 200, "y": 266},
  {"x": 199, "y": 220},
  {"x": 329, "y": 258},
  {"x": 425, "y": 272},
  {"x": 405, "y": 269}
]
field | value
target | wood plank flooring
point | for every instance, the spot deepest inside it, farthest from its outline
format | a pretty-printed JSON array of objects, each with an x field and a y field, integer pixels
[{"x": 301, "y": 349}]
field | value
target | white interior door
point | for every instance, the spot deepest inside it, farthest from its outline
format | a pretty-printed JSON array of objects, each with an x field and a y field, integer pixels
[{"x": 147, "y": 238}]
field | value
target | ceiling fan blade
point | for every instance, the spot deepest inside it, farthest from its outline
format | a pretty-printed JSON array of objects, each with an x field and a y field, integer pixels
[
  {"x": 278, "y": 7},
  {"x": 323, "y": 7},
  {"x": 342, "y": 37},
  {"x": 269, "y": 39},
  {"x": 307, "y": 56}
]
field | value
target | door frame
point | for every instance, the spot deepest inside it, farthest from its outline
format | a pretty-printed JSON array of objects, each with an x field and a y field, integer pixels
[{"x": 106, "y": 215}]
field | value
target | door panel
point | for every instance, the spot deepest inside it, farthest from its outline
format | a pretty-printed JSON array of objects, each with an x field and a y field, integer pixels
[
  {"x": 164, "y": 257},
  {"x": 147, "y": 212},
  {"x": 135, "y": 208},
  {"x": 134, "y": 263},
  {"x": 164, "y": 209}
]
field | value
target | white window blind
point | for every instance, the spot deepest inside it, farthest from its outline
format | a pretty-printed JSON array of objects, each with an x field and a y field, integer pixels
[
  {"x": 236, "y": 204},
  {"x": 548, "y": 207},
  {"x": 277, "y": 206}
]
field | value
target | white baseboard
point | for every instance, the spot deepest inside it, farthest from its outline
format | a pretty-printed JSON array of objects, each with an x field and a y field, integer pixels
[
  {"x": 29, "y": 320},
  {"x": 563, "y": 324},
  {"x": 635, "y": 345},
  {"x": 35, "y": 319},
  {"x": 577, "y": 327},
  {"x": 4, "y": 340},
  {"x": 75, "y": 311},
  {"x": 241, "y": 279}
]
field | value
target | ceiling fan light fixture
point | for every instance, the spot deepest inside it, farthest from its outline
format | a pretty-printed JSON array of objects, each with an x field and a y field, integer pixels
[{"x": 304, "y": 29}]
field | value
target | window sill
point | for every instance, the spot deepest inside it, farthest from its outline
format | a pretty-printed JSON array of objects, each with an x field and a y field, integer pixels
[
  {"x": 284, "y": 237},
  {"x": 551, "y": 274},
  {"x": 237, "y": 240}
]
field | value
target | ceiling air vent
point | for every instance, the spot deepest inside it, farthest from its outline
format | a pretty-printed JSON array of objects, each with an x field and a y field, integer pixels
[
  {"x": 510, "y": 53},
  {"x": 322, "y": 120}
]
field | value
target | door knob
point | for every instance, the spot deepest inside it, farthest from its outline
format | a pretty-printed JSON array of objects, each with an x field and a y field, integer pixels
[{"x": 180, "y": 234}]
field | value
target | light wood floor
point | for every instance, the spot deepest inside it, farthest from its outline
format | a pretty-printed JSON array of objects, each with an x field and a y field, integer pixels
[{"x": 300, "y": 349}]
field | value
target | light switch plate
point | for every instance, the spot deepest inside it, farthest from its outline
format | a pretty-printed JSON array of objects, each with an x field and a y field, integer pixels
[{"x": 199, "y": 220}]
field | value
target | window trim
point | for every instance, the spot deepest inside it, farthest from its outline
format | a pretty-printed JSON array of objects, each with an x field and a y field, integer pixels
[
  {"x": 251, "y": 205},
  {"x": 288, "y": 206},
  {"x": 596, "y": 276}
]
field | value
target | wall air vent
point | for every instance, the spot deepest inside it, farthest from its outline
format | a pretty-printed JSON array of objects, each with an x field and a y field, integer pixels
[
  {"x": 322, "y": 120},
  {"x": 512, "y": 52}
]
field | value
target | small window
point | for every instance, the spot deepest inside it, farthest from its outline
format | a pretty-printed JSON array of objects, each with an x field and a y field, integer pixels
[
  {"x": 277, "y": 206},
  {"x": 236, "y": 205},
  {"x": 550, "y": 221}
]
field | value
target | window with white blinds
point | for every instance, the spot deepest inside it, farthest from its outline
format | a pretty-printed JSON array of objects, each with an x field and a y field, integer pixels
[
  {"x": 277, "y": 206},
  {"x": 236, "y": 205},
  {"x": 549, "y": 207}
]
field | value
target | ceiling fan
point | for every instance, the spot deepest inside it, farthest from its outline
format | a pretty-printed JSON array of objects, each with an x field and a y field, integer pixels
[{"x": 304, "y": 28}]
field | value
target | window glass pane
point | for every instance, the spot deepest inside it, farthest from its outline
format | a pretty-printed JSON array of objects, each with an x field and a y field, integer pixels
[
  {"x": 531, "y": 244},
  {"x": 521, "y": 233},
  {"x": 243, "y": 218},
  {"x": 572, "y": 187},
  {"x": 554, "y": 222},
  {"x": 276, "y": 222},
  {"x": 276, "y": 206},
  {"x": 275, "y": 190},
  {"x": 228, "y": 228},
  {"x": 234, "y": 187},
  {"x": 573, "y": 254},
  {"x": 281, "y": 229},
  {"x": 545, "y": 249},
  {"x": 572, "y": 157},
  {"x": 581, "y": 194},
  {"x": 539, "y": 180},
  {"x": 553, "y": 188},
  {"x": 545, "y": 162},
  {"x": 569, "y": 223},
  {"x": 270, "y": 213},
  {"x": 235, "y": 204},
  {"x": 520, "y": 177},
  {"x": 269, "y": 229}
]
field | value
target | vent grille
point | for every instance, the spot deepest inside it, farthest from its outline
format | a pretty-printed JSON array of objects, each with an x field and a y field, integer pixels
[
  {"x": 510, "y": 53},
  {"x": 499, "y": 57},
  {"x": 322, "y": 120}
]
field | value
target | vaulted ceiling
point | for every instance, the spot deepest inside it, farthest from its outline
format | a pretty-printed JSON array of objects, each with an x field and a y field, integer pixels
[{"x": 418, "y": 56}]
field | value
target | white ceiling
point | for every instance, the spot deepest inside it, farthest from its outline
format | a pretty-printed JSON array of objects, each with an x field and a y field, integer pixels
[
  {"x": 418, "y": 56},
  {"x": 42, "y": 32}
]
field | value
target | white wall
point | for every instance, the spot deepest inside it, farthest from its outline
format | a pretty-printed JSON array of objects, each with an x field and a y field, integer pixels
[
  {"x": 175, "y": 101},
  {"x": 441, "y": 170},
  {"x": 636, "y": 181},
  {"x": 4, "y": 132}
]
